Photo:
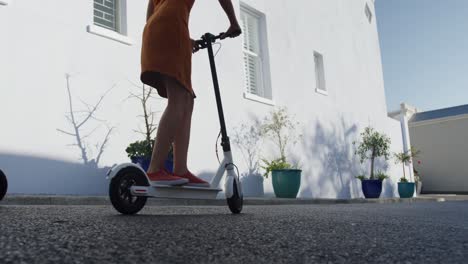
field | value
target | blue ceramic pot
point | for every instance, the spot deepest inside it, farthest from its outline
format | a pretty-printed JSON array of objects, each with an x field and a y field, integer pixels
[
  {"x": 142, "y": 161},
  {"x": 169, "y": 165},
  {"x": 145, "y": 162},
  {"x": 372, "y": 188},
  {"x": 286, "y": 183},
  {"x": 406, "y": 189}
]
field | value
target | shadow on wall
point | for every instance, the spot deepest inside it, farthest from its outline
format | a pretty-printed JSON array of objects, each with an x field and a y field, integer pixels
[
  {"x": 335, "y": 163},
  {"x": 335, "y": 166},
  {"x": 388, "y": 185},
  {"x": 38, "y": 175}
]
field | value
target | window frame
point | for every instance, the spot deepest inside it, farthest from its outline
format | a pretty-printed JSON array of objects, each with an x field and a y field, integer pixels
[
  {"x": 320, "y": 80},
  {"x": 263, "y": 73},
  {"x": 116, "y": 15},
  {"x": 121, "y": 25}
]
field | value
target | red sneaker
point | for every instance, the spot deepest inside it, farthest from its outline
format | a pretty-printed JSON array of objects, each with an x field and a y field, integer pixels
[
  {"x": 193, "y": 180},
  {"x": 162, "y": 177}
]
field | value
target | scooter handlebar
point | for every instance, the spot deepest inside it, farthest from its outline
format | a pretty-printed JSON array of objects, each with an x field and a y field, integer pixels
[{"x": 208, "y": 37}]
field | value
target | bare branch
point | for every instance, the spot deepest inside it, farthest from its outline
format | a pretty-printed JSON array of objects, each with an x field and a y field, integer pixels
[
  {"x": 90, "y": 133},
  {"x": 73, "y": 121},
  {"x": 103, "y": 145},
  {"x": 132, "y": 95},
  {"x": 134, "y": 84},
  {"x": 65, "y": 132},
  {"x": 95, "y": 107},
  {"x": 97, "y": 119},
  {"x": 140, "y": 132}
]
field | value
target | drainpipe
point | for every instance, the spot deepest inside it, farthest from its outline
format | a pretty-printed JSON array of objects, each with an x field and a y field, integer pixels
[{"x": 406, "y": 112}]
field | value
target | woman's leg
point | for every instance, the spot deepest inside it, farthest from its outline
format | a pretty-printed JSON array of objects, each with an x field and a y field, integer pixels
[
  {"x": 173, "y": 127},
  {"x": 184, "y": 102}
]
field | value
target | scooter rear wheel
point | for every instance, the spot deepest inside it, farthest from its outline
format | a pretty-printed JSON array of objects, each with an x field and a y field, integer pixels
[
  {"x": 236, "y": 201},
  {"x": 119, "y": 191},
  {"x": 3, "y": 185}
]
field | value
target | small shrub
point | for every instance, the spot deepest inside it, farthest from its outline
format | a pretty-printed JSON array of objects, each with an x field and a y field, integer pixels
[
  {"x": 381, "y": 175},
  {"x": 280, "y": 128},
  {"x": 141, "y": 148},
  {"x": 405, "y": 158},
  {"x": 372, "y": 146},
  {"x": 278, "y": 164},
  {"x": 361, "y": 177}
]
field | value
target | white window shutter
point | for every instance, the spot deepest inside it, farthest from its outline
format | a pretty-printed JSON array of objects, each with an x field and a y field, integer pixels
[
  {"x": 252, "y": 53},
  {"x": 106, "y": 14}
]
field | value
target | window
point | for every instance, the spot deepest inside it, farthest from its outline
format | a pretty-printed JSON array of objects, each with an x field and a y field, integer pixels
[
  {"x": 255, "y": 55},
  {"x": 319, "y": 73},
  {"x": 110, "y": 20},
  {"x": 368, "y": 13},
  {"x": 106, "y": 14}
]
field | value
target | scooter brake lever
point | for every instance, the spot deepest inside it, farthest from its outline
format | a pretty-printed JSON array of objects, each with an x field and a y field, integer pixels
[{"x": 201, "y": 44}]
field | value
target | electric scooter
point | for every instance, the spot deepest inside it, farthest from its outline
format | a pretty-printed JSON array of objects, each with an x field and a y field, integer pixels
[
  {"x": 130, "y": 187},
  {"x": 3, "y": 185}
]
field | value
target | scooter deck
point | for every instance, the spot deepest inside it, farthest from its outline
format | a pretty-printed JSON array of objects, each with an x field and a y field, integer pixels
[{"x": 183, "y": 192}]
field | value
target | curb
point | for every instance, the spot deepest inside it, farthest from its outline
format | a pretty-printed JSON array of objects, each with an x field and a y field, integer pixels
[{"x": 104, "y": 200}]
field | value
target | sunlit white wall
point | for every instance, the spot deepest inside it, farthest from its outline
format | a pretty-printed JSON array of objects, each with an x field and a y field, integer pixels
[{"x": 41, "y": 41}]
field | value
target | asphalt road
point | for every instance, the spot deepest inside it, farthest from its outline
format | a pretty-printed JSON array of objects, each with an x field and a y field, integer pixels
[{"x": 346, "y": 233}]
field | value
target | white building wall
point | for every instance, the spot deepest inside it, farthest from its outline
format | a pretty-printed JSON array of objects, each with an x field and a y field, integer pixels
[{"x": 44, "y": 40}]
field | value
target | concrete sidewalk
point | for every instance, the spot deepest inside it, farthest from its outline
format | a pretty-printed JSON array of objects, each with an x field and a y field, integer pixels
[{"x": 104, "y": 200}]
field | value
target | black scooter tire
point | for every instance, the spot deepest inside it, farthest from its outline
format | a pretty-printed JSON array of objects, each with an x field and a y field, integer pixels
[
  {"x": 3, "y": 185},
  {"x": 236, "y": 201},
  {"x": 119, "y": 191}
]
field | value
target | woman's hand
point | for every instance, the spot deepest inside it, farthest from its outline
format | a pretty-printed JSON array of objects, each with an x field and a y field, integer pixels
[
  {"x": 195, "y": 46},
  {"x": 233, "y": 31}
]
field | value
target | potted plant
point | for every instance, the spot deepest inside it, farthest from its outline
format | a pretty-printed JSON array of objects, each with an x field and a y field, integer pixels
[
  {"x": 286, "y": 178},
  {"x": 372, "y": 146},
  {"x": 140, "y": 152},
  {"x": 417, "y": 179},
  {"x": 406, "y": 188},
  {"x": 247, "y": 137}
]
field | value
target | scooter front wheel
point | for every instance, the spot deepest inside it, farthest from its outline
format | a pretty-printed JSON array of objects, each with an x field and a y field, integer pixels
[
  {"x": 3, "y": 185},
  {"x": 237, "y": 200},
  {"x": 120, "y": 194}
]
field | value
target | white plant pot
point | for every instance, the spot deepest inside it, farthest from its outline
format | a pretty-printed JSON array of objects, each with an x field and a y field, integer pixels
[
  {"x": 252, "y": 185},
  {"x": 418, "y": 187}
]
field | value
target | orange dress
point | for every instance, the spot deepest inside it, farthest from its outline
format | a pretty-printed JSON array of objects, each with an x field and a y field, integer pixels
[{"x": 166, "y": 45}]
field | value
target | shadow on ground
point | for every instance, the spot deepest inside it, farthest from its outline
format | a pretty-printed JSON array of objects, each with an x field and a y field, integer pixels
[{"x": 39, "y": 175}]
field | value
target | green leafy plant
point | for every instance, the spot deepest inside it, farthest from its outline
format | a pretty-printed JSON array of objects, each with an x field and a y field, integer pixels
[
  {"x": 372, "y": 146},
  {"x": 405, "y": 158},
  {"x": 381, "y": 175},
  {"x": 402, "y": 179},
  {"x": 142, "y": 148},
  {"x": 361, "y": 177},
  {"x": 281, "y": 130},
  {"x": 277, "y": 164}
]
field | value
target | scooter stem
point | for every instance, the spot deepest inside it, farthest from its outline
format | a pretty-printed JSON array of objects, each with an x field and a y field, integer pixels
[{"x": 209, "y": 39}]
